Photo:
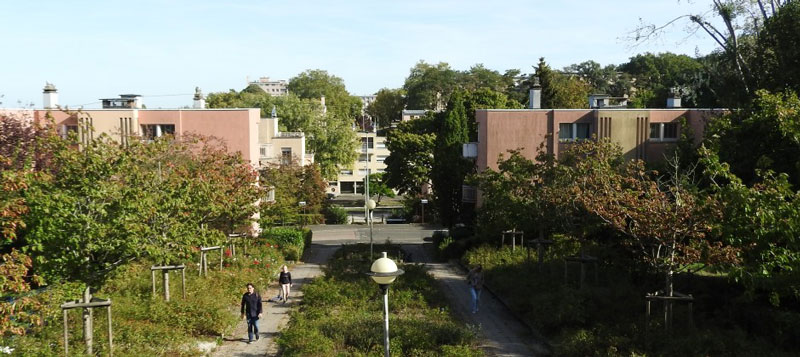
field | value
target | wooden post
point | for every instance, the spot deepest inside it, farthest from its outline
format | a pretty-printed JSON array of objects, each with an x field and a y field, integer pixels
[
  {"x": 87, "y": 321},
  {"x": 202, "y": 258},
  {"x": 183, "y": 282},
  {"x": 220, "y": 259},
  {"x": 153, "y": 281},
  {"x": 513, "y": 240},
  {"x": 66, "y": 334},
  {"x": 165, "y": 275},
  {"x": 110, "y": 333}
]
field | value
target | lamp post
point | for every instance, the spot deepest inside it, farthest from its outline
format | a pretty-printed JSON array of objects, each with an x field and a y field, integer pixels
[
  {"x": 422, "y": 204},
  {"x": 384, "y": 271},
  {"x": 370, "y": 206},
  {"x": 303, "y": 217}
]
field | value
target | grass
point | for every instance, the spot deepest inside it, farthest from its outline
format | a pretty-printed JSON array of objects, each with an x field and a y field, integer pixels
[{"x": 342, "y": 313}]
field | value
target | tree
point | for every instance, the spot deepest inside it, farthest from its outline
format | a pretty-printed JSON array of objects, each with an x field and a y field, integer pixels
[
  {"x": 378, "y": 186},
  {"x": 449, "y": 168},
  {"x": 656, "y": 75},
  {"x": 313, "y": 84},
  {"x": 777, "y": 60},
  {"x": 601, "y": 79},
  {"x": 760, "y": 138},
  {"x": 559, "y": 90},
  {"x": 763, "y": 221},
  {"x": 429, "y": 86},
  {"x": 291, "y": 184},
  {"x": 409, "y": 164},
  {"x": 480, "y": 77},
  {"x": 387, "y": 107}
]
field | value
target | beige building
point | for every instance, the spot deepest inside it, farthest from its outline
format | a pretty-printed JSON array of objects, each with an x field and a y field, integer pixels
[
  {"x": 371, "y": 156},
  {"x": 274, "y": 88},
  {"x": 281, "y": 148}
]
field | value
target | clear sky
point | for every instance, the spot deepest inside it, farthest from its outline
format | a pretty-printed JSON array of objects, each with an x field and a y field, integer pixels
[{"x": 164, "y": 49}]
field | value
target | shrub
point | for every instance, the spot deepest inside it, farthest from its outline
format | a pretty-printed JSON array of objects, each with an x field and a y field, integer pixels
[
  {"x": 335, "y": 215},
  {"x": 291, "y": 241}
]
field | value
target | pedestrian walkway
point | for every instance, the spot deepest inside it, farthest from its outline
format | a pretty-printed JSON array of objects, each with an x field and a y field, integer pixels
[
  {"x": 502, "y": 334},
  {"x": 275, "y": 315}
]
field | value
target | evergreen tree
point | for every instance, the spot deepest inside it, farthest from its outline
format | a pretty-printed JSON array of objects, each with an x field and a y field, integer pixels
[{"x": 449, "y": 168}]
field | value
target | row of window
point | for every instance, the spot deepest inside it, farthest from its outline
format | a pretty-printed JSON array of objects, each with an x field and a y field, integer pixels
[
  {"x": 578, "y": 131},
  {"x": 362, "y": 172},
  {"x": 369, "y": 143}
]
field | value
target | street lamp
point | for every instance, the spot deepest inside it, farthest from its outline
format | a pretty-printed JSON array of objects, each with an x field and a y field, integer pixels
[
  {"x": 422, "y": 203},
  {"x": 370, "y": 206},
  {"x": 384, "y": 271},
  {"x": 303, "y": 217}
]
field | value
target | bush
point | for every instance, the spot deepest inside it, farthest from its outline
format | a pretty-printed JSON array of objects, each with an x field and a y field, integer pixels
[
  {"x": 335, "y": 215},
  {"x": 342, "y": 310},
  {"x": 291, "y": 241}
]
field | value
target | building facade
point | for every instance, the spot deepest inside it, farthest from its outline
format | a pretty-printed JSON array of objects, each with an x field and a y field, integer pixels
[
  {"x": 372, "y": 154},
  {"x": 274, "y": 88},
  {"x": 642, "y": 133}
]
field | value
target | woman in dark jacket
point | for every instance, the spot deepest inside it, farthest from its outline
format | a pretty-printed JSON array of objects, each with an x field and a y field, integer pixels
[{"x": 285, "y": 279}]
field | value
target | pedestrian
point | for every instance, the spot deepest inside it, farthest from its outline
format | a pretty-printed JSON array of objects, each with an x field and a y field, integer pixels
[
  {"x": 475, "y": 281},
  {"x": 251, "y": 309},
  {"x": 285, "y": 279}
]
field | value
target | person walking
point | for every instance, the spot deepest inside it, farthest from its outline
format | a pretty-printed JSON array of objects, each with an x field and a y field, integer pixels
[
  {"x": 285, "y": 279},
  {"x": 475, "y": 281},
  {"x": 251, "y": 309}
]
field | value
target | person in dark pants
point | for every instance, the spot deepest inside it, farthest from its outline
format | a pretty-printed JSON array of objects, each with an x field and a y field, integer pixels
[
  {"x": 251, "y": 309},
  {"x": 475, "y": 281},
  {"x": 285, "y": 279}
]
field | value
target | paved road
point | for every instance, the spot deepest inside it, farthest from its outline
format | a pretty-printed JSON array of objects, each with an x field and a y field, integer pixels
[{"x": 501, "y": 333}]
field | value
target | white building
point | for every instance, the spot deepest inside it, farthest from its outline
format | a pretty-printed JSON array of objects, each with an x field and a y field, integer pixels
[
  {"x": 274, "y": 88},
  {"x": 371, "y": 156}
]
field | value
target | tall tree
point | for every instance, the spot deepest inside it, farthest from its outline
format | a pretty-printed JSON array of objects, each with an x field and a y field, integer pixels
[
  {"x": 429, "y": 86},
  {"x": 387, "y": 107},
  {"x": 449, "y": 167},
  {"x": 559, "y": 90},
  {"x": 315, "y": 83},
  {"x": 410, "y": 159}
]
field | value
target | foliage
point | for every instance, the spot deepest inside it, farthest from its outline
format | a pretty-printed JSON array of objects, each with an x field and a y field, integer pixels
[
  {"x": 292, "y": 184},
  {"x": 19, "y": 313},
  {"x": 429, "y": 86},
  {"x": 378, "y": 186},
  {"x": 449, "y": 168},
  {"x": 409, "y": 163},
  {"x": 341, "y": 313},
  {"x": 313, "y": 84},
  {"x": 760, "y": 138},
  {"x": 656, "y": 74},
  {"x": 148, "y": 326},
  {"x": 291, "y": 241},
  {"x": 387, "y": 107},
  {"x": 335, "y": 214},
  {"x": 560, "y": 90},
  {"x": 762, "y": 220}
]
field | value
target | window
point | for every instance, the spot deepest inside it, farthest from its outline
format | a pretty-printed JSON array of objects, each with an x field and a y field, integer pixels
[
  {"x": 346, "y": 172},
  {"x": 367, "y": 143},
  {"x": 469, "y": 194},
  {"x": 382, "y": 158},
  {"x": 262, "y": 151},
  {"x": 152, "y": 131},
  {"x": 380, "y": 145},
  {"x": 286, "y": 156},
  {"x": 363, "y": 157},
  {"x": 348, "y": 187},
  {"x": 663, "y": 131},
  {"x": 574, "y": 131},
  {"x": 68, "y": 129}
]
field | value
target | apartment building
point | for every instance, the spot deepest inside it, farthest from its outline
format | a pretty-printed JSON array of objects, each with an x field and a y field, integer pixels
[
  {"x": 371, "y": 156},
  {"x": 124, "y": 118},
  {"x": 274, "y": 88}
]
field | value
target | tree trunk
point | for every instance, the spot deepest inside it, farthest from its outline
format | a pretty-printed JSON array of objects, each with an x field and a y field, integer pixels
[
  {"x": 87, "y": 321},
  {"x": 668, "y": 291},
  {"x": 165, "y": 274}
]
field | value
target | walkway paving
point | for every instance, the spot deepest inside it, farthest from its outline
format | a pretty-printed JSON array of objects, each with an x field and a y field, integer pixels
[
  {"x": 276, "y": 315},
  {"x": 501, "y": 334}
]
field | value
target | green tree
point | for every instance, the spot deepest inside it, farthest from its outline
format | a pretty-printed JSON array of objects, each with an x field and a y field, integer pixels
[
  {"x": 378, "y": 186},
  {"x": 449, "y": 167},
  {"x": 429, "y": 86},
  {"x": 411, "y": 145},
  {"x": 559, "y": 90},
  {"x": 291, "y": 184},
  {"x": 656, "y": 75},
  {"x": 387, "y": 107},
  {"x": 313, "y": 84}
]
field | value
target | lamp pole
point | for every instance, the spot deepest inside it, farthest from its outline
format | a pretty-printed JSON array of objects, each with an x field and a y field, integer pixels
[
  {"x": 370, "y": 207},
  {"x": 422, "y": 204},
  {"x": 384, "y": 271}
]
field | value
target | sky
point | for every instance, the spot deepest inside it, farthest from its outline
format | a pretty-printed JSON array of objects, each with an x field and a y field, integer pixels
[{"x": 163, "y": 49}]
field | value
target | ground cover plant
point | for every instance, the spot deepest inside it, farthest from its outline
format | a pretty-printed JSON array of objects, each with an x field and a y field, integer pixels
[
  {"x": 342, "y": 313},
  {"x": 607, "y": 318},
  {"x": 146, "y": 325}
]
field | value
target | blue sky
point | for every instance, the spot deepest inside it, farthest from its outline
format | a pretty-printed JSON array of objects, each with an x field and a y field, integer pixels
[{"x": 163, "y": 49}]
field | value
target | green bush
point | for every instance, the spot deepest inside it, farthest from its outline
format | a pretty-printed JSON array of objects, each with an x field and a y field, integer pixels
[
  {"x": 291, "y": 241},
  {"x": 335, "y": 215},
  {"x": 342, "y": 311}
]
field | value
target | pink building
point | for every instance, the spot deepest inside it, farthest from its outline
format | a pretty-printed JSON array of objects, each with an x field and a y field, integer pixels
[{"x": 642, "y": 133}]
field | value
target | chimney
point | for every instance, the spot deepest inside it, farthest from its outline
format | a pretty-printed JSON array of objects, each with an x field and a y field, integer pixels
[
  {"x": 50, "y": 95},
  {"x": 674, "y": 98},
  {"x": 199, "y": 99},
  {"x": 322, "y": 101},
  {"x": 535, "y": 95}
]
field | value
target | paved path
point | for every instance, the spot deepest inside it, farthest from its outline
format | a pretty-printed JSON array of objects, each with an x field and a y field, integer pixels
[
  {"x": 501, "y": 334},
  {"x": 276, "y": 315}
]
